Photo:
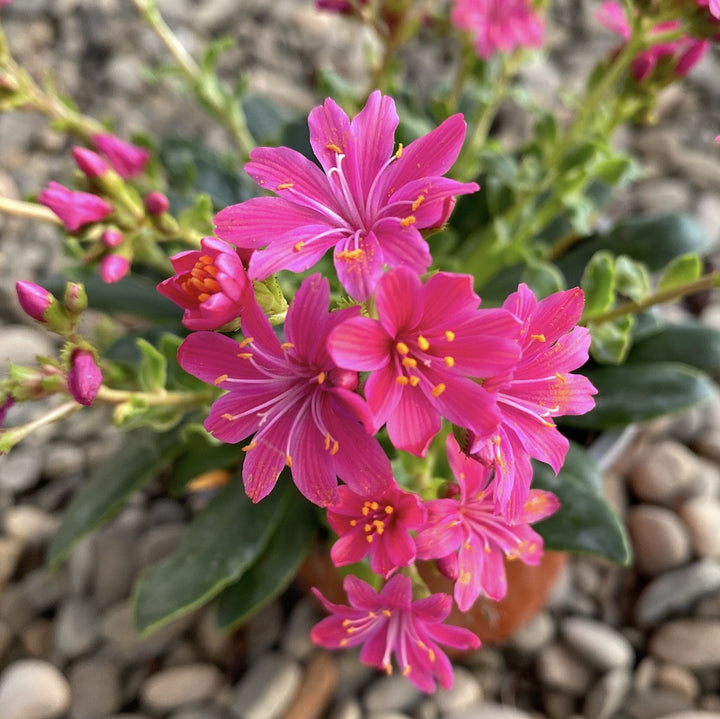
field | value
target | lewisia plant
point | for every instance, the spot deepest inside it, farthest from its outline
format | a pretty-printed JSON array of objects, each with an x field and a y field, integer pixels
[{"x": 386, "y": 344}]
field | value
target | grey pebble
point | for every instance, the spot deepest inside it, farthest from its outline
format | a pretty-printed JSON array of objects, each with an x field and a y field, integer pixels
[
  {"x": 558, "y": 668},
  {"x": 10, "y": 552},
  {"x": 702, "y": 518},
  {"x": 464, "y": 693},
  {"x": 95, "y": 685},
  {"x": 391, "y": 693},
  {"x": 600, "y": 645},
  {"x": 171, "y": 688},
  {"x": 76, "y": 627},
  {"x": 691, "y": 643},
  {"x": 21, "y": 469},
  {"x": 33, "y": 689},
  {"x": 608, "y": 695},
  {"x": 660, "y": 539},
  {"x": 29, "y": 523}
]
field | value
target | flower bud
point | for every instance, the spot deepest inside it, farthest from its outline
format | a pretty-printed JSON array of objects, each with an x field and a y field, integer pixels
[
  {"x": 111, "y": 238},
  {"x": 34, "y": 300},
  {"x": 75, "y": 299},
  {"x": 156, "y": 203},
  {"x": 113, "y": 268},
  {"x": 74, "y": 209},
  {"x": 7, "y": 402},
  {"x": 127, "y": 160},
  {"x": 89, "y": 162},
  {"x": 84, "y": 378}
]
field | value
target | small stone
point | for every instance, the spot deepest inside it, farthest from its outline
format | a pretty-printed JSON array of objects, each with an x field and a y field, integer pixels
[
  {"x": 597, "y": 643},
  {"x": 558, "y": 668},
  {"x": 76, "y": 627},
  {"x": 15, "y": 608},
  {"x": 347, "y": 709},
  {"x": 10, "y": 551},
  {"x": 702, "y": 518},
  {"x": 33, "y": 689},
  {"x": 29, "y": 524},
  {"x": 20, "y": 470},
  {"x": 317, "y": 688},
  {"x": 95, "y": 686},
  {"x": 214, "y": 641},
  {"x": 608, "y": 695},
  {"x": 491, "y": 710},
  {"x": 263, "y": 630},
  {"x": 662, "y": 194},
  {"x": 158, "y": 542},
  {"x": 63, "y": 460},
  {"x": 81, "y": 565},
  {"x": 676, "y": 591},
  {"x": 268, "y": 687},
  {"x": 21, "y": 345},
  {"x": 679, "y": 680},
  {"x": 171, "y": 688},
  {"x": 464, "y": 693},
  {"x": 659, "y": 538},
  {"x": 534, "y": 634},
  {"x": 115, "y": 564},
  {"x": 43, "y": 588},
  {"x": 655, "y": 704},
  {"x": 691, "y": 643},
  {"x": 204, "y": 710},
  {"x": 296, "y": 637},
  {"x": 693, "y": 714},
  {"x": 391, "y": 693},
  {"x": 37, "y": 638},
  {"x": 6, "y": 637}
]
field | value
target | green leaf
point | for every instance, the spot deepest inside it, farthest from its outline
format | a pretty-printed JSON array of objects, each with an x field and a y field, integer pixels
[
  {"x": 274, "y": 569},
  {"x": 640, "y": 391},
  {"x": 652, "y": 239},
  {"x": 202, "y": 455},
  {"x": 585, "y": 522},
  {"x": 543, "y": 278},
  {"x": 218, "y": 547},
  {"x": 611, "y": 340},
  {"x": 138, "y": 461},
  {"x": 152, "y": 372},
  {"x": 598, "y": 283},
  {"x": 631, "y": 278},
  {"x": 693, "y": 343},
  {"x": 681, "y": 270}
]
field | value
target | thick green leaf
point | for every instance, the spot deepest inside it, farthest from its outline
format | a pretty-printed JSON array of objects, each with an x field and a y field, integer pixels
[
  {"x": 632, "y": 278},
  {"x": 611, "y": 340},
  {"x": 274, "y": 569},
  {"x": 585, "y": 522},
  {"x": 640, "y": 391},
  {"x": 138, "y": 461},
  {"x": 543, "y": 278},
  {"x": 598, "y": 283},
  {"x": 680, "y": 271},
  {"x": 202, "y": 456},
  {"x": 652, "y": 239},
  {"x": 218, "y": 547},
  {"x": 692, "y": 343},
  {"x": 152, "y": 373}
]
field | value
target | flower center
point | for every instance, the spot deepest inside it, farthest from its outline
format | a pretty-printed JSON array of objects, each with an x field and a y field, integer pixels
[
  {"x": 375, "y": 518},
  {"x": 200, "y": 282},
  {"x": 345, "y": 378}
]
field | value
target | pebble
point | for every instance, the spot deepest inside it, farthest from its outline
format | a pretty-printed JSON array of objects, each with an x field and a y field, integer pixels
[
  {"x": 20, "y": 470},
  {"x": 608, "y": 695},
  {"x": 95, "y": 686},
  {"x": 654, "y": 704},
  {"x": 598, "y": 644},
  {"x": 76, "y": 627},
  {"x": 213, "y": 641},
  {"x": 558, "y": 668},
  {"x": 464, "y": 693},
  {"x": 676, "y": 591},
  {"x": 10, "y": 551},
  {"x": 317, "y": 688},
  {"x": 63, "y": 460},
  {"x": 660, "y": 539},
  {"x": 29, "y": 523},
  {"x": 534, "y": 634},
  {"x": 702, "y": 517},
  {"x": 33, "y": 689},
  {"x": 691, "y": 643},
  {"x": 115, "y": 563},
  {"x": 491, "y": 710},
  {"x": 37, "y": 638},
  {"x": 679, "y": 680},
  {"x": 391, "y": 693},
  {"x": 171, "y": 688},
  {"x": 263, "y": 630},
  {"x": 296, "y": 636},
  {"x": 268, "y": 687},
  {"x": 347, "y": 709},
  {"x": 43, "y": 589},
  {"x": 6, "y": 637},
  {"x": 21, "y": 345}
]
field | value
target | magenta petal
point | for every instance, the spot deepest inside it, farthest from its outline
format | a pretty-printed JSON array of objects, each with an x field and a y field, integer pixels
[
  {"x": 209, "y": 355},
  {"x": 360, "y": 344},
  {"x": 359, "y": 264},
  {"x": 264, "y": 462},
  {"x": 329, "y": 129},
  {"x": 383, "y": 394},
  {"x": 397, "y": 300},
  {"x": 349, "y": 548},
  {"x": 221, "y": 425},
  {"x": 414, "y": 423},
  {"x": 433, "y": 609},
  {"x": 448, "y": 295},
  {"x": 304, "y": 327},
  {"x": 452, "y": 636},
  {"x": 402, "y": 245},
  {"x": 360, "y": 594}
]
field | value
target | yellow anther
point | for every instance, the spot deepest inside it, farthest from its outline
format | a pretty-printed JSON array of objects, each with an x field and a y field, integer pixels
[
  {"x": 409, "y": 362},
  {"x": 379, "y": 526},
  {"x": 335, "y": 448},
  {"x": 449, "y": 361},
  {"x": 423, "y": 344},
  {"x": 398, "y": 152},
  {"x": 431, "y": 655},
  {"x": 387, "y": 612},
  {"x": 402, "y": 348},
  {"x": 539, "y": 338},
  {"x": 351, "y": 254},
  {"x": 414, "y": 381},
  {"x": 287, "y": 345},
  {"x": 334, "y": 148},
  {"x": 285, "y": 186},
  {"x": 368, "y": 527},
  {"x": 245, "y": 355},
  {"x": 298, "y": 246},
  {"x": 369, "y": 538},
  {"x": 407, "y": 221},
  {"x": 229, "y": 417},
  {"x": 406, "y": 670},
  {"x": 220, "y": 379},
  {"x": 250, "y": 446},
  {"x": 365, "y": 510},
  {"x": 321, "y": 378},
  {"x": 346, "y": 622},
  {"x": 449, "y": 335},
  {"x": 353, "y": 522},
  {"x": 343, "y": 643},
  {"x": 388, "y": 669},
  {"x": 420, "y": 199},
  {"x": 560, "y": 377},
  {"x": 288, "y": 460},
  {"x": 465, "y": 578},
  {"x": 327, "y": 441},
  {"x": 389, "y": 509},
  {"x": 374, "y": 506},
  {"x": 438, "y": 389},
  {"x": 402, "y": 379},
  {"x": 246, "y": 341}
]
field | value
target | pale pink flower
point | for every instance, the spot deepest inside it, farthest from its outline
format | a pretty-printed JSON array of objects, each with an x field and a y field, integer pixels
[
  {"x": 498, "y": 25},
  {"x": 390, "y": 623}
]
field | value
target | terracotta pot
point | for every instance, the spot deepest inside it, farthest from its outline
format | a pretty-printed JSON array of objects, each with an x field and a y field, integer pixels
[{"x": 528, "y": 590}]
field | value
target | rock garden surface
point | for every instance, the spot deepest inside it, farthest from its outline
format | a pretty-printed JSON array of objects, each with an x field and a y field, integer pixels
[{"x": 627, "y": 643}]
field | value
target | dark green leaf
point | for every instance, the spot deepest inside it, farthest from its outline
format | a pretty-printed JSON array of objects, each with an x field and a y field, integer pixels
[
  {"x": 202, "y": 456},
  {"x": 138, "y": 461},
  {"x": 218, "y": 547},
  {"x": 585, "y": 522},
  {"x": 692, "y": 343},
  {"x": 274, "y": 569},
  {"x": 640, "y": 391}
]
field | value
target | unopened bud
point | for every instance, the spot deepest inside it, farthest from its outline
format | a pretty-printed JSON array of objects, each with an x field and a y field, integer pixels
[
  {"x": 113, "y": 268},
  {"x": 156, "y": 203},
  {"x": 127, "y": 160},
  {"x": 75, "y": 298},
  {"x": 84, "y": 378},
  {"x": 90, "y": 162},
  {"x": 111, "y": 238},
  {"x": 34, "y": 300}
]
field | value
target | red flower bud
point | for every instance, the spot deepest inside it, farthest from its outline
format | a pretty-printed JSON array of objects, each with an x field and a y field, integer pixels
[
  {"x": 90, "y": 162},
  {"x": 113, "y": 268},
  {"x": 111, "y": 238},
  {"x": 156, "y": 203},
  {"x": 34, "y": 300},
  {"x": 127, "y": 160},
  {"x": 84, "y": 378},
  {"x": 75, "y": 209}
]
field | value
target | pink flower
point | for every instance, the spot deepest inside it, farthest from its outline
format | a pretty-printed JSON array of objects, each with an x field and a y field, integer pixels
[
  {"x": 302, "y": 407},
  {"x": 379, "y": 525},
  {"x": 89, "y": 162},
  {"x": 714, "y": 7},
  {"x": 612, "y": 15},
  {"x": 156, "y": 203},
  {"x": 498, "y": 25},
  {"x": 369, "y": 204},
  {"x": 113, "y": 268},
  {"x": 391, "y": 623},
  {"x": 75, "y": 209},
  {"x": 34, "y": 300},
  {"x": 468, "y": 528},
  {"x": 423, "y": 352},
  {"x": 127, "y": 160},
  {"x": 84, "y": 378},
  {"x": 210, "y": 284},
  {"x": 539, "y": 387}
]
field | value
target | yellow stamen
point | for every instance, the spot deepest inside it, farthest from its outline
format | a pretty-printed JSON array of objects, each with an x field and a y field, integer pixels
[
  {"x": 285, "y": 186},
  {"x": 450, "y": 361},
  {"x": 420, "y": 199},
  {"x": 321, "y": 378},
  {"x": 407, "y": 221},
  {"x": 245, "y": 355},
  {"x": 402, "y": 379},
  {"x": 368, "y": 527},
  {"x": 353, "y": 522},
  {"x": 438, "y": 389},
  {"x": 465, "y": 578},
  {"x": 423, "y": 344},
  {"x": 389, "y": 509},
  {"x": 560, "y": 377},
  {"x": 220, "y": 379},
  {"x": 351, "y": 254},
  {"x": 335, "y": 448},
  {"x": 539, "y": 338},
  {"x": 288, "y": 460},
  {"x": 298, "y": 246},
  {"x": 402, "y": 348},
  {"x": 246, "y": 342},
  {"x": 409, "y": 362},
  {"x": 327, "y": 441},
  {"x": 379, "y": 526},
  {"x": 334, "y": 148},
  {"x": 398, "y": 152},
  {"x": 250, "y": 446},
  {"x": 414, "y": 381},
  {"x": 287, "y": 345},
  {"x": 229, "y": 417},
  {"x": 369, "y": 538},
  {"x": 406, "y": 670},
  {"x": 449, "y": 335},
  {"x": 386, "y": 612}
]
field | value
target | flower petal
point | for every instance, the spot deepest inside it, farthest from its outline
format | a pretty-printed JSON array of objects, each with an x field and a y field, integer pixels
[
  {"x": 359, "y": 264},
  {"x": 414, "y": 423},
  {"x": 359, "y": 343},
  {"x": 397, "y": 299}
]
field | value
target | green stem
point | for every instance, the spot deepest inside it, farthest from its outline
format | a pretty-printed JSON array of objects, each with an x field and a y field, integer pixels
[
  {"x": 706, "y": 282},
  {"x": 31, "y": 210},
  {"x": 11, "y": 436},
  {"x": 154, "y": 399}
]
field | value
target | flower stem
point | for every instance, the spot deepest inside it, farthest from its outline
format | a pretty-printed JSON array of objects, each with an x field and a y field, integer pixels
[
  {"x": 154, "y": 399},
  {"x": 11, "y": 436},
  {"x": 31, "y": 210},
  {"x": 706, "y": 282}
]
